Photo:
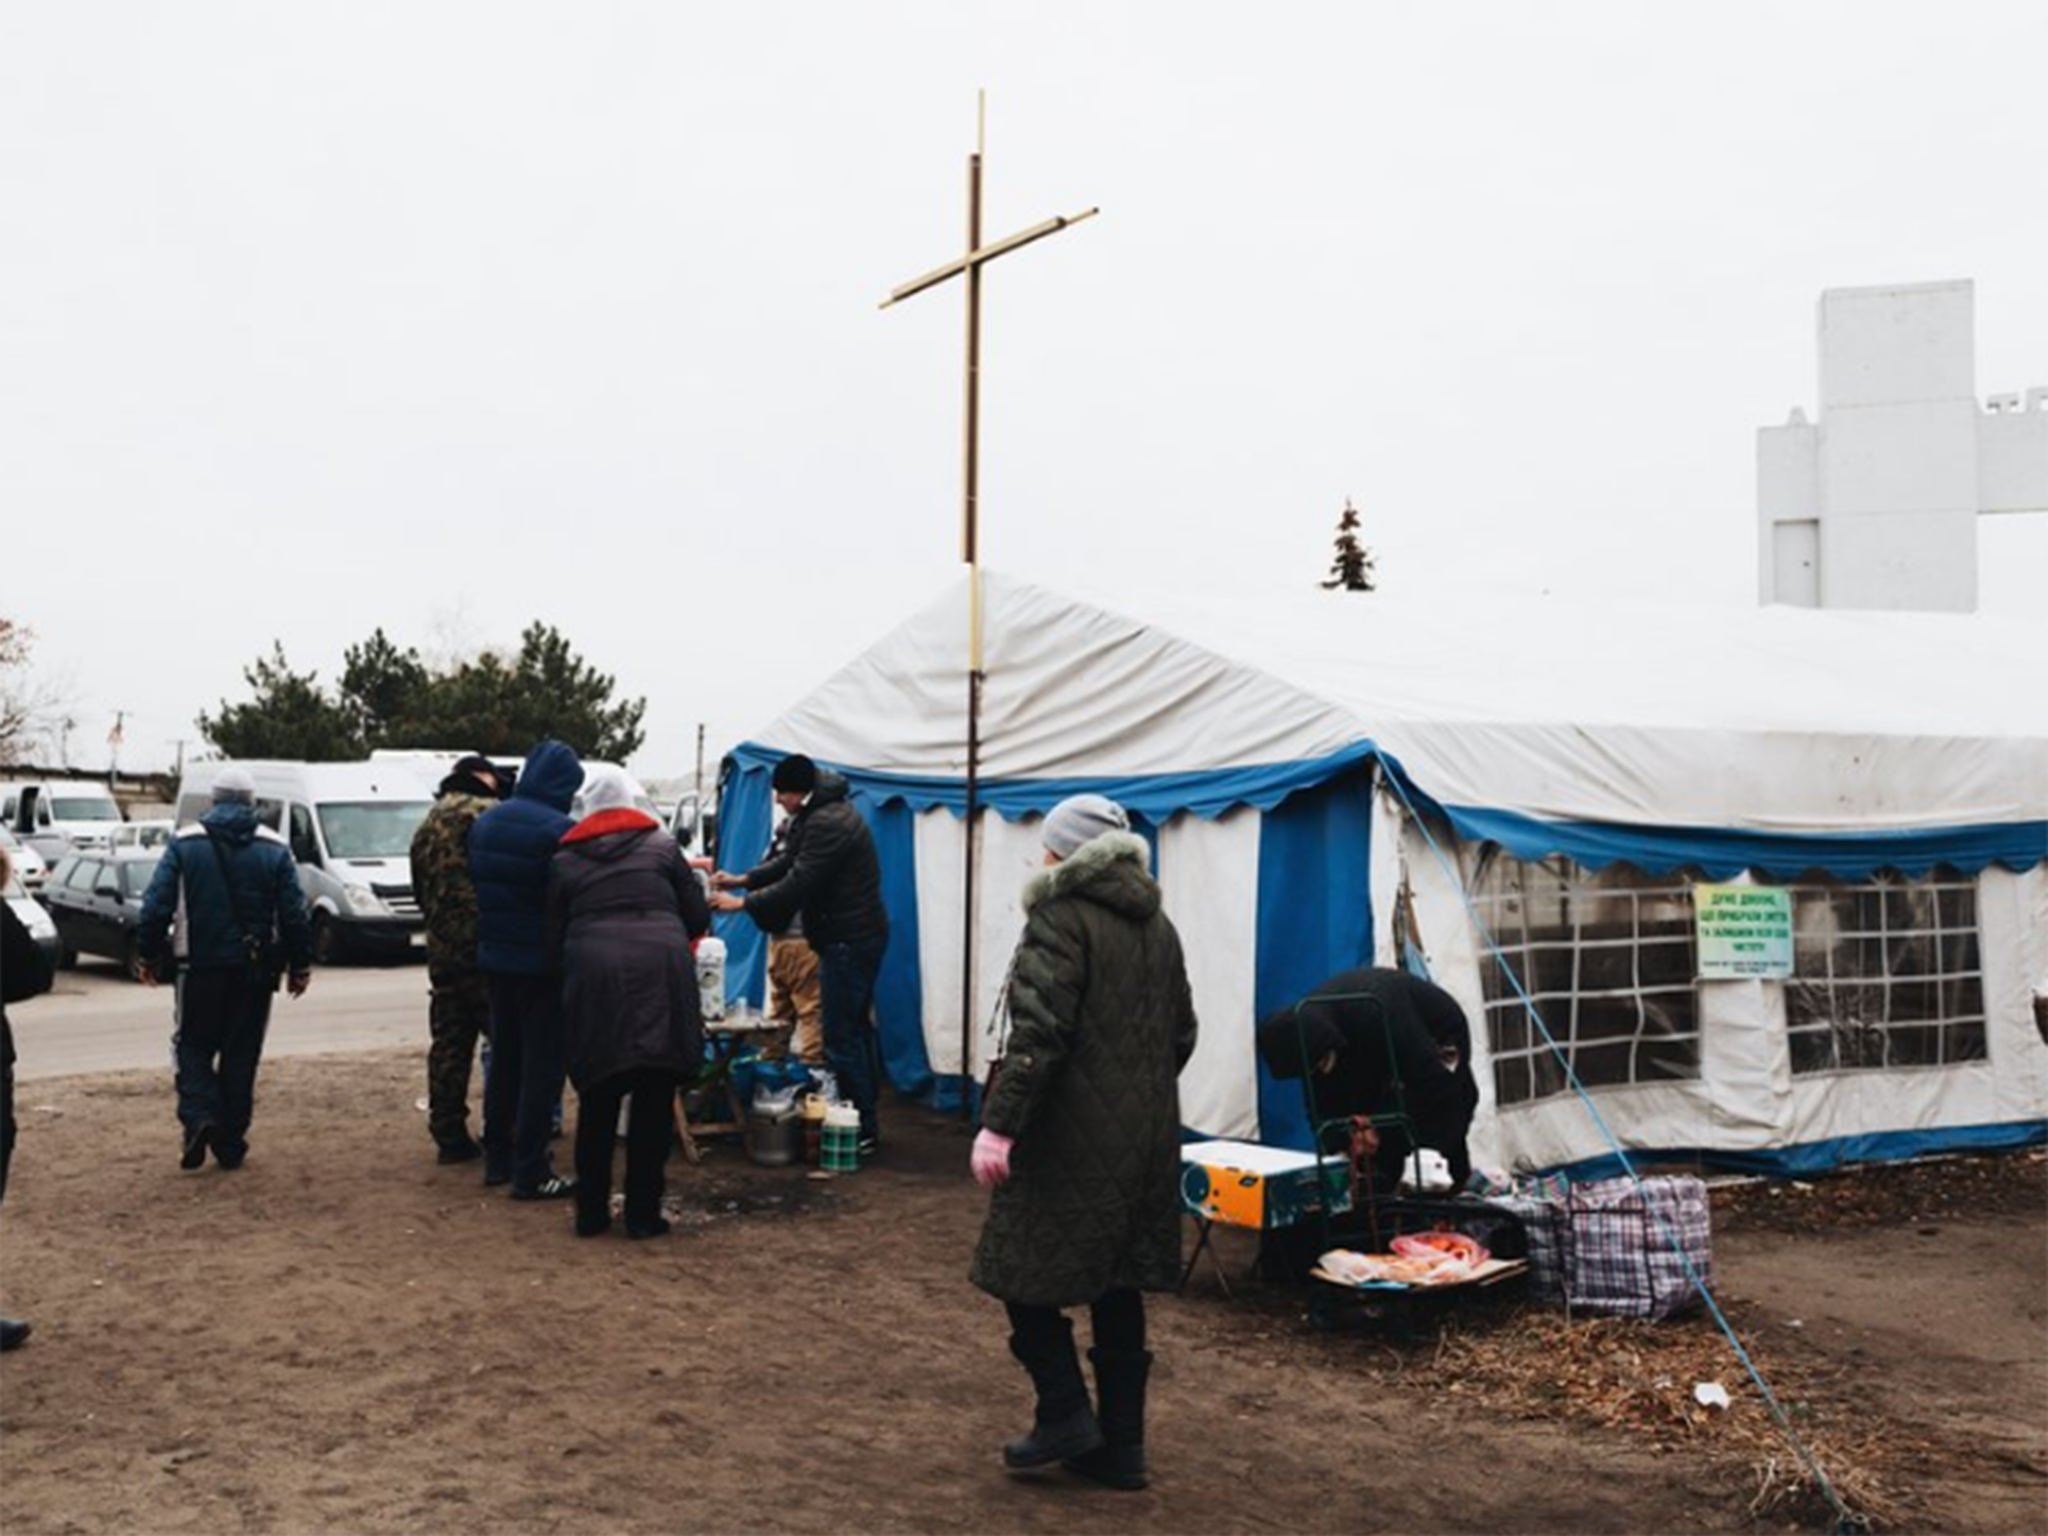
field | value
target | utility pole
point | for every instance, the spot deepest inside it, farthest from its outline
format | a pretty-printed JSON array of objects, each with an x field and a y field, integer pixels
[{"x": 969, "y": 267}]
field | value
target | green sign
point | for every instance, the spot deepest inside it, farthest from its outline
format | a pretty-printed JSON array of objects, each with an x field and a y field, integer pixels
[{"x": 1744, "y": 931}]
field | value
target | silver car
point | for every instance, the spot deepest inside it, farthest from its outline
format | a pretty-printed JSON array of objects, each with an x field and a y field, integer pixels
[
  {"x": 29, "y": 867},
  {"x": 33, "y": 918}
]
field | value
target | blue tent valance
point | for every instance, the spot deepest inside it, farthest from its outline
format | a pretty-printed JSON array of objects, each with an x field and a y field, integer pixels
[
  {"x": 1721, "y": 853},
  {"x": 1718, "y": 852},
  {"x": 1156, "y": 798}
]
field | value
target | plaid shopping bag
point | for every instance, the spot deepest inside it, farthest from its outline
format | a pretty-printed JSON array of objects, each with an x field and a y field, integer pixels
[
  {"x": 1547, "y": 1225},
  {"x": 1621, "y": 1261}
]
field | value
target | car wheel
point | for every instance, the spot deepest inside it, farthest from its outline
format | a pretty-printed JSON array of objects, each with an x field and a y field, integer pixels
[{"x": 326, "y": 940}]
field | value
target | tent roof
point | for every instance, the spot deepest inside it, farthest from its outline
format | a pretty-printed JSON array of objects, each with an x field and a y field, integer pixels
[{"x": 1773, "y": 720}]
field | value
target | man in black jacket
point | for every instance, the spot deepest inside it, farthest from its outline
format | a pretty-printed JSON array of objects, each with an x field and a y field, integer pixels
[
  {"x": 829, "y": 873},
  {"x": 1375, "y": 1041},
  {"x": 23, "y": 973}
]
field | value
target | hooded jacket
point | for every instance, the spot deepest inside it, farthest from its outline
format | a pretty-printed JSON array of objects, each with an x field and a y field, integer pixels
[
  {"x": 260, "y": 899},
  {"x": 510, "y": 848},
  {"x": 440, "y": 870},
  {"x": 828, "y": 873},
  {"x": 1102, "y": 1020},
  {"x": 623, "y": 906}
]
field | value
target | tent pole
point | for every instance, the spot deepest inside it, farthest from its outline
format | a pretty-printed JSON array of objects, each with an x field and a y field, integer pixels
[
  {"x": 968, "y": 904},
  {"x": 970, "y": 551}
]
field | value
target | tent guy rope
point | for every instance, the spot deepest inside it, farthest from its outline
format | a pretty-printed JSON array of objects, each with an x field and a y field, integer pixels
[{"x": 1846, "y": 1520}]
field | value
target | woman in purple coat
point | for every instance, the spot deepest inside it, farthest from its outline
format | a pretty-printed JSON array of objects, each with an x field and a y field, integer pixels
[{"x": 623, "y": 909}]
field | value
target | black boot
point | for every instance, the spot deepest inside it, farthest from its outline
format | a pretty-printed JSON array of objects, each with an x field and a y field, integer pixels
[
  {"x": 1064, "y": 1424},
  {"x": 13, "y": 1333},
  {"x": 1119, "y": 1462}
]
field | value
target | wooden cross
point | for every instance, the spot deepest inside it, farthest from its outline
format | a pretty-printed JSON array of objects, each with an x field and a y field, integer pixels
[{"x": 969, "y": 266}]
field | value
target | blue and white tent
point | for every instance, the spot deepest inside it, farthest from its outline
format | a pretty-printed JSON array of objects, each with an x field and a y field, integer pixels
[{"x": 1536, "y": 788}]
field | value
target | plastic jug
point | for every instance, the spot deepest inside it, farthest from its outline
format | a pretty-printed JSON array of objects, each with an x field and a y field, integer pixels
[{"x": 839, "y": 1142}]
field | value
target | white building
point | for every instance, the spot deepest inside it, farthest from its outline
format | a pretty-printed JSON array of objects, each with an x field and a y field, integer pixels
[{"x": 1875, "y": 505}]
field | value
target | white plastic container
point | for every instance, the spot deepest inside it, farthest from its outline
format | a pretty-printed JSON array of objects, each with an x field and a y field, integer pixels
[{"x": 711, "y": 977}]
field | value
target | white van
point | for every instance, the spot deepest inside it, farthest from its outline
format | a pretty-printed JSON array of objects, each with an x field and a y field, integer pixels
[
  {"x": 56, "y": 816},
  {"x": 350, "y": 827}
]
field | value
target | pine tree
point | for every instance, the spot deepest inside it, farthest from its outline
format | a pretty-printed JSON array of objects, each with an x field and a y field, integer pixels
[
  {"x": 389, "y": 697},
  {"x": 1352, "y": 566}
]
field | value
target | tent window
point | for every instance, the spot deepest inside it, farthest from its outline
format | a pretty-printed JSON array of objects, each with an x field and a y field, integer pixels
[
  {"x": 1886, "y": 973},
  {"x": 1607, "y": 956}
]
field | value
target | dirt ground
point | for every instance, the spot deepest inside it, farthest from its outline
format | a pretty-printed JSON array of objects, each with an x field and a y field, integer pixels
[{"x": 345, "y": 1336}]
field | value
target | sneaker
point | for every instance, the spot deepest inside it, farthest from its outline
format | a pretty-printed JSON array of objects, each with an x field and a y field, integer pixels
[
  {"x": 869, "y": 1146},
  {"x": 465, "y": 1151},
  {"x": 14, "y": 1332},
  {"x": 230, "y": 1158},
  {"x": 639, "y": 1231},
  {"x": 194, "y": 1155},
  {"x": 553, "y": 1187}
]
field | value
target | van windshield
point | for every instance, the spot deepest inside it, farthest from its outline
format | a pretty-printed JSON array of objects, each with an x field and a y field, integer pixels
[
  {"x": 370, "y": 829},
  {"x": 84, "y": 808}
]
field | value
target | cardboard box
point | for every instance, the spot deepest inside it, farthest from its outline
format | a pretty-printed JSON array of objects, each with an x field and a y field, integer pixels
[{"x": 1242, "y": 1184}]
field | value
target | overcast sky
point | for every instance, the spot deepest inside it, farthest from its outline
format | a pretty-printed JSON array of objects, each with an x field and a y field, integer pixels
[{"x": 449, "y": 316}]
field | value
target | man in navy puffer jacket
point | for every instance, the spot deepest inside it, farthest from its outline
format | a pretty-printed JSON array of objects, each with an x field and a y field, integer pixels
[
  {"x": 510, "y": 849},
  {"x": 233, "y": 888}
]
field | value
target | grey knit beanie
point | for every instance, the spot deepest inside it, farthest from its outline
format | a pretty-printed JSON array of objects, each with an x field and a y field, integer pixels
[
  {"x": 1079, "y": 818},
  {"x": 234, "y": 786}
]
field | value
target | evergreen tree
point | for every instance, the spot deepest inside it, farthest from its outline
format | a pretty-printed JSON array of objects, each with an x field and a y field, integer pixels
[
  {"x": 388, "y": 697},
  {"x": 1352, "y": 565},
  {"x": 290, "y": 716},
  {"x": 385, "y": 690}
]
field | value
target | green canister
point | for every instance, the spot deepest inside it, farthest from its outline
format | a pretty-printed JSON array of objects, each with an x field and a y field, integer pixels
[{"x": 839, "y": 1140}]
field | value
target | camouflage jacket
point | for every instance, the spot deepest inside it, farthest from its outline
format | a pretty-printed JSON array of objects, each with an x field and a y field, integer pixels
[{"x": 440, "y": 877}]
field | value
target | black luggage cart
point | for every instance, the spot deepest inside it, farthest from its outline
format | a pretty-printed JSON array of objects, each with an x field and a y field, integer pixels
[{"x": 1377, "y": 1216}]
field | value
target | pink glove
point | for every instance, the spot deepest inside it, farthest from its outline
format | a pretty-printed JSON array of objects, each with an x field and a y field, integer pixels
[{"x": 991, "y": 1159}]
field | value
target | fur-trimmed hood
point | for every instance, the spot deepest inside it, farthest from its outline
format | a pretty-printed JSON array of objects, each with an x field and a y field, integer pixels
[{"x": 1114, "y": 870}]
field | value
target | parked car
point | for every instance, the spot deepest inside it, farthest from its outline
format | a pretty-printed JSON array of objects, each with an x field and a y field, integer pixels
[
  {"x": 33, "y": 918},
  {"x": 95, "y": 899},
  {"x": 145, "y": 835},
  {"x": 54, "y": 816},
  {"x": 28, "y": 864}
]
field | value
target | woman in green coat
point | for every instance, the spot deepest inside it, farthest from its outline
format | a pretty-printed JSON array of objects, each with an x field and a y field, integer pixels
[{"x": 1081, "y": 1139}]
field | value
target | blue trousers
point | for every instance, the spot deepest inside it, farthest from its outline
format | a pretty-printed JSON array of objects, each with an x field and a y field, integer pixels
[
  {"x": 846, "y": 988},
  {"x": 223, "y": 1013},
  {"x": 524, "y": 1079}
]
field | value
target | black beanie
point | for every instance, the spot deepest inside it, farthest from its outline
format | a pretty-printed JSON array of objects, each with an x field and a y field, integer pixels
[{"x": 795, "y": 775}]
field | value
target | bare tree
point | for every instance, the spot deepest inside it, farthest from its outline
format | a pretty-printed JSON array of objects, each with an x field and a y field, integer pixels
[
  {"x": 1351, "y": 567},
  {"x": 30, "y": 707}
]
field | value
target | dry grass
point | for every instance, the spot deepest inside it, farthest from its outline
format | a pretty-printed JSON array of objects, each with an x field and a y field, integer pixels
[{"x": 1638, "y": 1377}]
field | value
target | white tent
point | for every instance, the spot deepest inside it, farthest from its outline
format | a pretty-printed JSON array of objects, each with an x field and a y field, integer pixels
[{"x": 1548, "y": 778}]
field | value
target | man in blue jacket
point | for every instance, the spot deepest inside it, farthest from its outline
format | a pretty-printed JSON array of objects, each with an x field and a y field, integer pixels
[
  {"x": 224, "y": 903},
  {"x": 510, "y": 849}
]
